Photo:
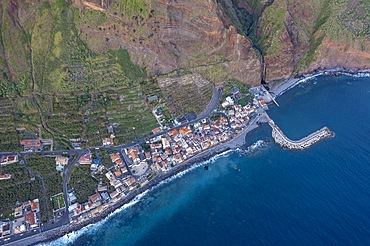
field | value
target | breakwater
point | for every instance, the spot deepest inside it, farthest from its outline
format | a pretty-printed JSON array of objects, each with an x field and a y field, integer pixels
[{"x": 301, "y": 144}]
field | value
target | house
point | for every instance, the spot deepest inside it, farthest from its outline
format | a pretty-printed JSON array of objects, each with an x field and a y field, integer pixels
[
  {"x": 117, "y": 173},
  {"x": 165, "y": 143},
  {"x": 263, "y": 104},
  {"x": 114, "y": 157},
  {"x": 173, "y": 133},
  {"x": 147, "y": 155},
  {"x": 133, "y": 153},
  {"x": 130, "y": 181},
  {"x": 225, "y": 104},
  {"x": 5, "y": 229},
  {"x": 153, "y": 98},
  {"x": 5, "y": 176},
  {"x": 35, "y": 206},
  {"x": 31, "y": 145},
  {"x": 95, "y": 198},
  {"x": 114, "y": 194},
  {"x": 155, "y": 130},
  {"x": 235, "y": 90},
  {"x": 18, "y": 211},
  {"x": 60, "y": 162},
  {"x": 85, "y": 159},
  {"x": 31, "y": 219},
  {"x": 107, "y": 141},
  {"x": 230, "y": 100},
  {"x": 8, "y": 159}
]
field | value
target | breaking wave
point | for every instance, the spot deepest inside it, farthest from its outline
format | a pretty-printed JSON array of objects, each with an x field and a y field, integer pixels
[{"x": 257, "y": 147}]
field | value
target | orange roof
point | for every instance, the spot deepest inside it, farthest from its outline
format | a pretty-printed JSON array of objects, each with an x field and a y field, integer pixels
[
  {"x": 119, "y": 162},
  {"x": 173, "y": 132},
  {"x": 94, "y": 197},
  {"x": 31, "y": 143},
  {"x": 114, "y": 157},
  {"x": 30, "y": 218},
  {"x": 117, "y": 173},
  {"x": 34, "y": 205},
  {"x": 155, "y": 130}
]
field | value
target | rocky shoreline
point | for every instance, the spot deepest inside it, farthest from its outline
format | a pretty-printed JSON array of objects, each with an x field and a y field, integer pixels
[{"x": 281, "y": 88}]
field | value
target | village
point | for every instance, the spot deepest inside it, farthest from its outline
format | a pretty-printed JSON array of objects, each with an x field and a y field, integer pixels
[
  {"x": 133, "y": 167},
  {"x": 136, "y": 166}
]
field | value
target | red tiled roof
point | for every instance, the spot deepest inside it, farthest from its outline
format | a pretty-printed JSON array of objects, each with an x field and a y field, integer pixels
[
  {"x": 31, "y": 143},
  {"x": 94, "y": 197},
  {"x": 155, "y": 130},
  {"x": 30, "y": 218}
]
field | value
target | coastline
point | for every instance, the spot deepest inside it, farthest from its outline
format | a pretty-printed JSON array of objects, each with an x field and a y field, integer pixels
[
  {"x": 233, "y": 144},
  {"x": 281, "y": 88}
]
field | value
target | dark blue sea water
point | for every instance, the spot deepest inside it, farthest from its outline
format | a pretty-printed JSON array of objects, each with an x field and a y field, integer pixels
[{"x": 319, "y": 196}]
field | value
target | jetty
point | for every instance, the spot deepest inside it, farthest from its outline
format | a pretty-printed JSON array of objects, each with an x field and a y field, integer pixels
[{"x": 301, "y": 144}]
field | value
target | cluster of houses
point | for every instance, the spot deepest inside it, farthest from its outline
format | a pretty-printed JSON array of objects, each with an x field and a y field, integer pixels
[
  {"x": 6, "y": 160},
  {"x": 135, "y": 166},
  {"x": 178, "y": 145},
  {"x": 118, "y": 177},
  {"x": 239, "y": 115},
  {"x": 26, "y": 218}
]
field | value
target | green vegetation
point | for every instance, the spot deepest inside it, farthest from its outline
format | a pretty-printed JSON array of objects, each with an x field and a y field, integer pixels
[
  {"x": 7, "y": 214},
  {"x": 83, "y": 183},
  {"x": 20, "y": 188},
  {"x": 185, "y": 95},
  {"x": 243, "y": 90},
  {"x": 58, "y": 201},
  {"x": 43, "y": 169}
]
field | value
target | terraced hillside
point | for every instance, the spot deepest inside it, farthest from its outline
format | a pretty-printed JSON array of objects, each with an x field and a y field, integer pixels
[{"x": 70, "y": 69}]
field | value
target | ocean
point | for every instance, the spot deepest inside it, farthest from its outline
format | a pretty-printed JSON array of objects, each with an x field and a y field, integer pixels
[{"x": 265, "y": 195}]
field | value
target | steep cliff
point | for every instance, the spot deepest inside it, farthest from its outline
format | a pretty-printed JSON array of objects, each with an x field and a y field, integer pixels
[
  {"x": 219, "y": 39},
  {"x": 299, "y": 37},
  {"x": 164, "y": 36}
]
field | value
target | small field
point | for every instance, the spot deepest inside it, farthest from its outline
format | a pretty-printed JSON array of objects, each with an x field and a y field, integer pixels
[
  {"x": 43, "y": 169},
  {"x": 83, "y": 183},
  {"x": 58, "y": 201}
]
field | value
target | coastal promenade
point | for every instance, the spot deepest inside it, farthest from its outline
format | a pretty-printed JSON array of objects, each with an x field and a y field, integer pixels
[{"x": 301, "y": 144}]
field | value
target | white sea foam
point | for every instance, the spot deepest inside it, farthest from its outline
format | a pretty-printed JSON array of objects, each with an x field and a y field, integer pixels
[
  {"x": 257, "y": 146},
  {"x": 357, "y": 75},
  {"x": 91, "y": 228}
]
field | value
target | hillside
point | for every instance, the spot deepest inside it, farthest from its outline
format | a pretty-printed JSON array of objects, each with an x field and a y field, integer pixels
[
  {"x": 299, "y": 37},
  {"x": 70, "y": 69}
]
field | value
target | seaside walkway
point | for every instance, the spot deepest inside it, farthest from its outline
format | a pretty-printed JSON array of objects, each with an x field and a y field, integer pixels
[{"x": 301, "y": 144}]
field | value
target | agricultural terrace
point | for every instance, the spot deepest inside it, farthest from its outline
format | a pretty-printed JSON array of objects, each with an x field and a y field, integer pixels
[
  {"x": 9, "y": 138},
  {"x": 185, "y": 94}
]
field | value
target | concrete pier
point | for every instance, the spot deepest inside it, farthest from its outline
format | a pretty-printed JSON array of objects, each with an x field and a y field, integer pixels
[{"x": 303, "y": 143}]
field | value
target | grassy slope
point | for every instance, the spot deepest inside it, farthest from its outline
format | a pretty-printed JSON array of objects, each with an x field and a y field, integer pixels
[{"x": 71, "y": 82}]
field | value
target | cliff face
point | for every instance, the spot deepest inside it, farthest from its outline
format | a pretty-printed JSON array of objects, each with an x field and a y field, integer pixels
[
  {"x": 219, "y": 39},
  {"x": 165, "y": 36},
  {"x": 299, "y": 37}
]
